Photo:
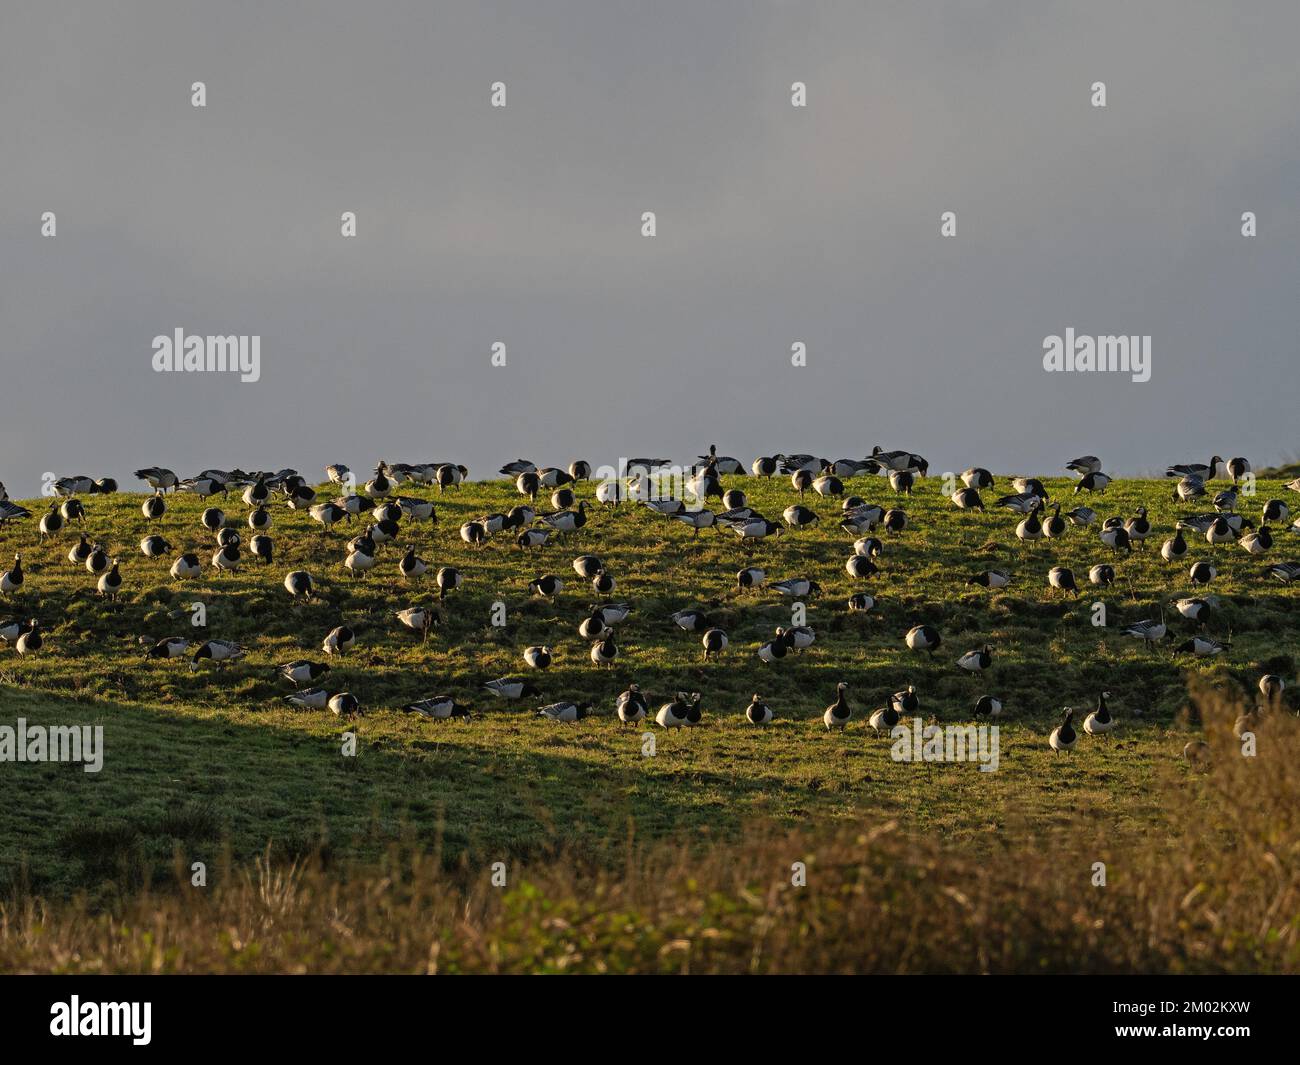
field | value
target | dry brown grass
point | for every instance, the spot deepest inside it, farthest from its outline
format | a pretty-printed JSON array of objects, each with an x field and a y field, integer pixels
[{"x": 1216, "y": 892}]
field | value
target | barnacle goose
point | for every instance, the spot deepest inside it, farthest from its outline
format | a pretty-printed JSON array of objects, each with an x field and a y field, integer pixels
[
  {"x": 1201, "y": 647},
  {"x": 1062, "y": 577},
  {"x": 798, "y": 586},
  {"x": 380, "y": 484},
  {"x": 1188, "y": 488},
  {"x": 1102, "y": 575},
  {"x": 339, "y": 640},
  {"x": 547, "y": 586},
  {"x": 895, "y": 520},
  {"x": 262, "y": 548},
  {"x": 758, "y": 712},
  {"x": 884, "y": 718},
  {"x": 1063, "y": 737},
  {"x": 506, "y": 688},
  {"x": 1259, "y": 541},
  {"x": 226, "y": 558},
  {"x": 631, "y": 706},
  {"x": 1055, "y": 525},
  {"x": 901, "y": 481},
  {"x": 1081, "y": 517},
  {"x": 906, "y": 702},
  {"x": 801, "y": 480},
  {"x": 967, "y": 499},
  {"x": 437, "y": 707},
  {"x": 298, "y": 583},
  {"x": 302, "y": 671},
  {"x": 1271, "y": 686},
  {"x": 714, "y": 642},
  {"x": 538, "y": 657},
  {"x": 1286, "y": 572},
  {"x": 868, "y": 547},
  {"x": 838, "y": 713},
  {"x": 976, "y": 661},
  {"x": 604, "y": 651},
  {"x": 860, "y": 567},
  {"x": 1030, "y": 528},
  {"x": 1276, "y": 511},
  {"x": 1175, "y": 549},
  {"x": 977, "y": 477},
  {"x": 1092, "y": 482},
  {"x": 990, "y": 579},
  {"x": 1196, "y": 469},
  {"x": 187, "y": 568},
  {"x": 97, "y": 560},
  {"x": 338, "y": 473},
  {"x": 1099, "y": 722},
  {"x": 766, "y": 466},
  {"x": 12, "y": 579},
  {"x": 750, "y": 577},
  {"x": 474, "y": 533},
  {"x": 677, "y": 713},
  {"x": 1150, "y": 631},
  {"x": 31, "y": 640},
  {"x": 1021, "y": 502},
  {"x": 1202, "y": 573},
  {"x": 612, "y": 613},
  {"x": 724, "y": 464},
  {"x": 359, "y": 562},
  {"x": 159, "y": 477},
  {"x": 923, "y": 638},
  {"x": 515, "y": 468},
  {"x": 988, "y": 706},
  {"x": 169, "y": 647},
  {"x": 1196, "y": 608},
  {"x": 219, "y": 651},
  {"x": 344, "y": 704},
  {"x": 1138, "y": 527},
  {"x": 1084, "y": 465},
  {"x": 154, "y": 547},
  {"x": 51, "y": 522},
  {"x": 775, "y": 649},
  {"x": 448, "y": 579},
  {"x": 1116, "y": 538},
  {"x": 797, "y": 516},
  {"x": 81, "y": 551}
]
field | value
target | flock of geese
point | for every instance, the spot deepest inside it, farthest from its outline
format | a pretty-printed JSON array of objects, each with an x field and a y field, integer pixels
[{"x": 386, "y": 502}]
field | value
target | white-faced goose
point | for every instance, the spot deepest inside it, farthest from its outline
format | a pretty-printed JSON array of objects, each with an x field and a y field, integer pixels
[
  {"x": 714, "y": 642},
  {"x": 344, "y": 704},
  {"x": 967, "y": 499},
  {"x": 450, "y": 475},
  {"x": 1259, "y": 541},
  {"x": 1092, "y": 482},
  {"x": 976, "y": 661},
  {"x": 221, "y": 652},
  {"x": 51, "y": 522},
  {"x": 302, "y": 671},
  {"x": 298, "y": 583},
  {"x": 1062, "y": 578},
  {"x": 859, "y": 567},
  {"x": 438, "y": 707},
  {"x": 1202, "y": 573},
  {"x": 167, "y": 648},
  {"x": 1206, "y": 472},
  {"x": 154, "y": 547},
  {"x": 861, "y": 602},
  {"x": 604, "y": 651},
  {"x": 977, "y": 477},
  {"x": 31, "y": 640},
  {"x": 838, "y": 713},
  {"x": 1102, "y": 575},
  {"x": 1084, "y": 464},
  {"x": 1030, "y": 528},
  {"x": 1174, "y": 550},
  {"x": 339, "y": 640},
  {"x": 1063, "y": 737},
  {"x": 991, "y": 579},
  {"x": 828, "y": 485},
  {"x": 309, "y": 699},
  {"x": 565, "y": 711},
  {"x": 187, "y": 568},
  {"x": 506, "y": 688},
  {"x": 797, "y": 516},
  {"x": 159, "y": 477},
  {"x": 1116, "y": 538},
  {"x": 923, "y": 638},
  {"x": 750, "y": 577},
  {"x": 1100, "y": 721},
  {"x": 1020, "y": 503},
  {"x": 538, "y": 657},
  {"x": 677, "y": 713},
  {"x": 1201, "y": 647},
  {"x": 547, "y": 586},
  {"x": 380, "y": 484},
  {"x": 12, "y": 579},
  {"x": 1197, "y": 609},
  {"x": 1150, "y": 631},
  {"x": 1286, "y": 572},
  {"x": 902, "y": 481},
  {"x": 988, "y": 706},
  {"x": 883, "y": 719}
]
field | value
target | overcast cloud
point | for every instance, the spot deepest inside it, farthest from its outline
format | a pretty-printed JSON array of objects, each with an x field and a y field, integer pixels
[{"x": 522, "y": 225}]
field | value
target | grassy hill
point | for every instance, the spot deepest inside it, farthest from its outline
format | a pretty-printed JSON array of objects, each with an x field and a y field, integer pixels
[{"x": 213, "y": 765}]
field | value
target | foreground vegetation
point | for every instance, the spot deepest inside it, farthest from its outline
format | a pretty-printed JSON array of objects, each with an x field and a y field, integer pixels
[
  {"x": 213, "y": 766},
  {"x": 1216, "y": 890}
]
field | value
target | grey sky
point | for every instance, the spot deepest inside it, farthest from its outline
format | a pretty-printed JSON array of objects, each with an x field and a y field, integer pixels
[{"x": 523, "y": 225}]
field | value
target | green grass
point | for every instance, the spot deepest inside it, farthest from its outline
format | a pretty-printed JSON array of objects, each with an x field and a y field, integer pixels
[{"x": 214, "y": 762}]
